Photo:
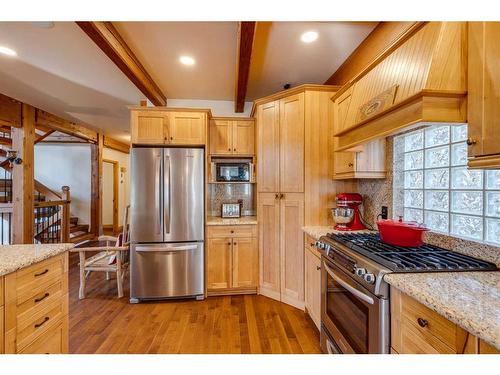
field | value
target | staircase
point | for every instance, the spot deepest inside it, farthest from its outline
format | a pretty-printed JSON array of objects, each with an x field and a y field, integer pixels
[{"x": 48, "y": 210}]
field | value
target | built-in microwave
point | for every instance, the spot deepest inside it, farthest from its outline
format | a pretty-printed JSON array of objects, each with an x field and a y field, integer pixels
[{"x": 231, "y": 170}]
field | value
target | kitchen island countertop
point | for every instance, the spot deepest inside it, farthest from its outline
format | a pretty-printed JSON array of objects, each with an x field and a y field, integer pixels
[{"x": 15, "y": 257}]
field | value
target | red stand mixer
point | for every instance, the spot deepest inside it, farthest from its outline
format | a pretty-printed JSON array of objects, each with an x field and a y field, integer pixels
[{"x": 346, "y": 214}]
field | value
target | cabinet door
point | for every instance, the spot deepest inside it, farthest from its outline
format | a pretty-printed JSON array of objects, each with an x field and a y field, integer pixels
[
  {"x": 221, "y": 135},
  {"x": 344, "y": 162},
  {"x": 245, "y": 263},
  {"x": 1, "y": 327},
  {"x": 483, "y": 109},
  {"x": 340, "y": 110},
  {"x": 243, "y": 137},
  {"x": 219, "y": 263},
  {"x": 292, "y": 144},
  {"x": 312, "y": 286},
  {"x": 268, "y": 211},
  {"x": 292, "y": 249},
  {"x": 149, "y": 127},
  {"x": 187, "y": 128},
  {"x": 268, "y": 146}
]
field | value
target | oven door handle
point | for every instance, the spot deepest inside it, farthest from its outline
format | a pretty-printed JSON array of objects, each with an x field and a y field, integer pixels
[{"x": 351, "y": 289}]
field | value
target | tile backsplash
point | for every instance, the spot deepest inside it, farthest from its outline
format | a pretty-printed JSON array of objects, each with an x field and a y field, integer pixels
[
  {"x": 380, "y": 192},
  {"x": 231, "y": 193}
]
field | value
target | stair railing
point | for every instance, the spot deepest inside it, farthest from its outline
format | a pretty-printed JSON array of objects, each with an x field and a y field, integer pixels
[
  {"x": 6, "y": 210},
  {"x": 52, "y": 219}
]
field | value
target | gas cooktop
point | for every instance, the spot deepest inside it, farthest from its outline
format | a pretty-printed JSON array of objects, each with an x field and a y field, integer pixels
[{"x": 426, "y": 258}]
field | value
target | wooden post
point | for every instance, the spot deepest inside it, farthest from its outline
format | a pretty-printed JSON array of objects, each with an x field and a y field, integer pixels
[
  {"x": 65, "y": 224},
  {"x": 23, "y": 141},
  {"x": 96, "y": 186}
]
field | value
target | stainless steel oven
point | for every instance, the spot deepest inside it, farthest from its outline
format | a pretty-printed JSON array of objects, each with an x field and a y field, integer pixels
[{"x": 353, "y": 319}]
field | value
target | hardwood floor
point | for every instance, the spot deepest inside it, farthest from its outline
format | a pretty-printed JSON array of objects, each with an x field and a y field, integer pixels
[{"x": 101, "y": 323}]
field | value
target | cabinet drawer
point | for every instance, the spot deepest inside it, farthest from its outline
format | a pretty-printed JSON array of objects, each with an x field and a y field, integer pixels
[
  {"x": 231, "y": 231},
  {"x": 52, "y": 342},
  {"x": 427, "y": 322},
  {"x": 35, "y": 300},
  {"x": 30, "y": 277},
  {"x": 30, "y": 327}
]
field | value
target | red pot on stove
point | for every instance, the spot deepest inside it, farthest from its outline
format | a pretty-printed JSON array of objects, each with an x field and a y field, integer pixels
[{"x": 401, "y": 233}]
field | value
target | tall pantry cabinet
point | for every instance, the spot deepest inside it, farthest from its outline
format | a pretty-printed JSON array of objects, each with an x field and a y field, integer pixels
[{"x": 294, "y": 185}]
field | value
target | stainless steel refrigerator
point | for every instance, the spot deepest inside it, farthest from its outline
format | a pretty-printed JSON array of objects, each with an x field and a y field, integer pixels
[{"x": 167, "y": 223}]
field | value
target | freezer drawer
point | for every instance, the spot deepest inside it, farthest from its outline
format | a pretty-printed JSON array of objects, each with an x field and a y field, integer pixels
[{"x": 168, "y": 270}]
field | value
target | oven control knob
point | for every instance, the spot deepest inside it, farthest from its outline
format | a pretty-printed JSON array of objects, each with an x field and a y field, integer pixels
[
  {"x": 327, "y": 248},
  {"x": 359, "y": 271},
  {"x": 369, "y": 278},
  {"x": 320, "y": 245}
]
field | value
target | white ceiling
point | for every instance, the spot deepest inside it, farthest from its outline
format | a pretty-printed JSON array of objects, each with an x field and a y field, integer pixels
[
  {"x": 62, "y": 71},
  {"x": 283, "y": 58}
]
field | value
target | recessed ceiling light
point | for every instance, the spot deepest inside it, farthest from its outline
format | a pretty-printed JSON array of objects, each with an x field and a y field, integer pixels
[
  {"x": 309, "y": 36},
  {"x": 187, "y": 60},
  {"x": 7, "y": 51}
]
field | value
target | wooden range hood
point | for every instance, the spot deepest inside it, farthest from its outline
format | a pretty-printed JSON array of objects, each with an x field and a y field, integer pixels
[{"x": 422, "y": 77}]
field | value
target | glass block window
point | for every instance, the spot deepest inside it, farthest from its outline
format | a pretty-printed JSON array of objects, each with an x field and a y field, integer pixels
[{"x": 440, "y": 191}]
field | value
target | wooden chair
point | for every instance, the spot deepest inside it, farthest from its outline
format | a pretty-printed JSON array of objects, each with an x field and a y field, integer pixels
[{"x": 112, "y": 256}]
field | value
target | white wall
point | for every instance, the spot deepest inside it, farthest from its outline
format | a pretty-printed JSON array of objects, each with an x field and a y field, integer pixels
[
  {"x": 124, "y": 182},
  {"x": 67, "y": 164},
  {"x": 218, "y": 107}
]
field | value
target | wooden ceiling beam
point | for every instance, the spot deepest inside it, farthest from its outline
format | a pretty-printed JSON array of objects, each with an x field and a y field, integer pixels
[
  {"x": 246, "y": 32},
  {"x": 47, "y": 120},
  {"x": 116, "y": 145},
  {"x": 107, "y": 38}
]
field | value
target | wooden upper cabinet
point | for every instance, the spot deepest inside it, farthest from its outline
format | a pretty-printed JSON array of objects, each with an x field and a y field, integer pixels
[
  {"x": 149, "y": 127},
  {"x": 268, "y": 211},
  {"x": 221, "y": 135},
  {"x": 292, "y": 144},
  {"x": 245, "y": 263},
  {"x": 243, "y": 137},
  {"x": 188, "y": 128},
  {"x": 268, "y": 147},
  {"x": 232, "y": 137},
  {"x": 483, "y": 107},
  {"x": 368, "y": 162},
  {"x": 219, "y": 264}
]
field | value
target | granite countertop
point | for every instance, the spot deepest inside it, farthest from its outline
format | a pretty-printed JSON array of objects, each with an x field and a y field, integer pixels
[
  {"x": 15, "y": 257},
  {"x": 469, "y": 299},
  {"x": 244, "y": 220}
]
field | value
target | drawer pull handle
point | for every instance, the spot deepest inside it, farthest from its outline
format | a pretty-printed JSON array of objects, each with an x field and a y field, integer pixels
[
  {"x": 42, "y": 273},
  {"x": 42, "y": 298},
  {"x": 318, "y": 268},
  {"x": 232, "y": 231},
  {"x": 312, "y": 244},
  {"x": 45, "y": 320},
  {"x": 422, "y": 322}
]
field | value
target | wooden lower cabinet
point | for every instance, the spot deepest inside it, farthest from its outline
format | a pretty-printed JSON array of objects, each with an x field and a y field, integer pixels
[
  {"x": 35, "y": 311},
  {"x": 232, "y": 262},
  {"x": 312, "y": 287},
  {"x": 281, "y": 247},
  {"x": 416, "y": 329}
]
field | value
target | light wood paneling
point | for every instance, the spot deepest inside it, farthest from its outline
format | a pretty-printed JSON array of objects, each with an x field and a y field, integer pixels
[
  {"x": 268, "y": 212},
  {"x": 221, "y": 135},
  {"x": 483, "y": 94},
  {"x": 219, "y": 263},
  {"x": 485, "y": 348},
  {"x": 379, "y": 40},
  {"x": 292, "y": 144},
  {"x": 312, "y": 285},
  {"x": 268, "y": 147},
  {"x": 245, "y": 264},
  {"x": 187, "y": 128},
  {"x": 292, "y": 249},
  {"x": 243, "y": 137},
  {"x": 149, "y": 127}
]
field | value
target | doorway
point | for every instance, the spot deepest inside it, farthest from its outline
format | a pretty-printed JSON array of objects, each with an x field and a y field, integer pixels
[{"x": 110, "y": 196}]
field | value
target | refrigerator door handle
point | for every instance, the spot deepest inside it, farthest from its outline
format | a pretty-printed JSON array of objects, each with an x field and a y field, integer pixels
[
  {"x": 164, "y": 249},
  {"x": 158, "y": 193},
  {"x": 166, "y": 219}
]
